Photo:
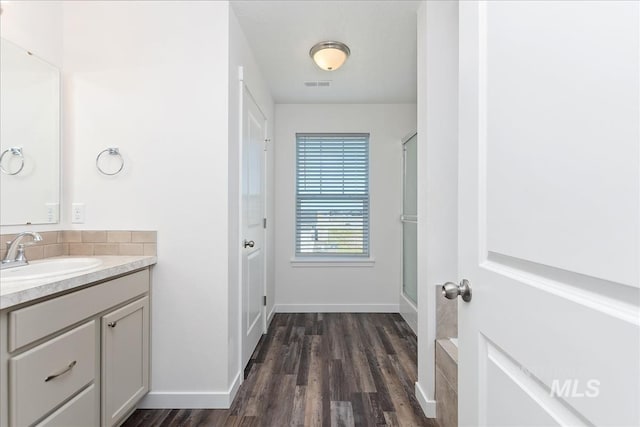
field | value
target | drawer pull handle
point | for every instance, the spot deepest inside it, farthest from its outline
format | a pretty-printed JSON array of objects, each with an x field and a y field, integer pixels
[
  {"x": 112, "y": 324},
  {"x": 64, "y": 371}
]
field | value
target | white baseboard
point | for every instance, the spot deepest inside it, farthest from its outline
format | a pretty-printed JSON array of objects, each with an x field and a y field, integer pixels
[
  {"x": 337, "y": 308},
  {"x": 235, "y": 386},
  {"x": 191, "y": 400},
  {"x": 409, "y": 312},
  {"x": 270, "y": 315},
  {"x": 428, "y": 406}
]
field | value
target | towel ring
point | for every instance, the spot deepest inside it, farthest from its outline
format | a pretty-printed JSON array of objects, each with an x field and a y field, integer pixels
[
  {"x": 15, "y": 151},
  {"x": 112, "y": 151}
]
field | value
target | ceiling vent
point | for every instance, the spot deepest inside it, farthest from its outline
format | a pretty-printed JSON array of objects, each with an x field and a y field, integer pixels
[{"x": 318, "y": 83}]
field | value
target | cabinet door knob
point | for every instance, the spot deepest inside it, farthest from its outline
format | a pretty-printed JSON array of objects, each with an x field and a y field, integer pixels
[{"x": 112, "y": 324}]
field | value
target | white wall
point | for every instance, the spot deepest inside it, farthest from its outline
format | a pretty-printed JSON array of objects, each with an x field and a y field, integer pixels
[
  {"x": 363, "y": 288},
  {"x": 240, "y": 55},
  {"x": 437, "y": 176},
  {"x": 36, "y": 26},
  {"x": 152, "y": 78}
]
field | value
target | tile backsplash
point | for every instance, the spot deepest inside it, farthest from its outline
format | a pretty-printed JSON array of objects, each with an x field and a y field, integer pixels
[{"x": 87, "y": 243}]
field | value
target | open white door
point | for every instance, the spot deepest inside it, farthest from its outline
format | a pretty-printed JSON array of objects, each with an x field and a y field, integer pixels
[
  {"x": 549, "y": 213},
  {"x": 253, "y": 289}
]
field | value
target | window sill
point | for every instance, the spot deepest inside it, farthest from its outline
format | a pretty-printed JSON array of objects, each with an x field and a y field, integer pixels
[{"x": 332, "y": 262}]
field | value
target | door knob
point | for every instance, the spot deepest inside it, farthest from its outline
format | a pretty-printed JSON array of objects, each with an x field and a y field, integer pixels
[
  {"x": 451, "y": 291},
  {"x": 249, "y": 243}
]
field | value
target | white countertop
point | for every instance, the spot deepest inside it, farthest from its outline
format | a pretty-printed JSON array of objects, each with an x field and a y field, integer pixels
[{"x": 15, "y": 293}]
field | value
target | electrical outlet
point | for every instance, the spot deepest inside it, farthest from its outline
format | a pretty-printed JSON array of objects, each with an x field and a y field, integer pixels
[
  {"x": 52, "y": 212},
  {"x": 77, "y": 213}
]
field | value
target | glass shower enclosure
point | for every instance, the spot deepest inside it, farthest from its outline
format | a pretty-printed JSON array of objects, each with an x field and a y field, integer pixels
[{"x": 410, "y": 219}]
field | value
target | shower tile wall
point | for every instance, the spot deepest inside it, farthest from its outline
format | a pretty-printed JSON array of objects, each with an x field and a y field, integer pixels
[
  {"x": 446, "y": 360},
  {"x": 446, "y": 383},
  {"x": 446, "y": 316}
]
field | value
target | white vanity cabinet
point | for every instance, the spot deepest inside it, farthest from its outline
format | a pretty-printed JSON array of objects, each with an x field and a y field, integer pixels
[{"x": 78, "y": 359}]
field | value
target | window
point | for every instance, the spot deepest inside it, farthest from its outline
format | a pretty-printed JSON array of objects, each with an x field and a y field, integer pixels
[{"x": 332, "y": 195}]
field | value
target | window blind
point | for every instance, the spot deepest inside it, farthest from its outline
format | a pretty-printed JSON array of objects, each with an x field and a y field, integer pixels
[{"x": 332, "y": 194}]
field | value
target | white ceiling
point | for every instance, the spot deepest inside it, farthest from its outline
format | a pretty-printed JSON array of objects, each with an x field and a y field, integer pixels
[{"x": 381, "y": 35}]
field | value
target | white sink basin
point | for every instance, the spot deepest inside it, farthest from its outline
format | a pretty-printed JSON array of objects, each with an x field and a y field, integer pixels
[{"x": 47, "y": 268}]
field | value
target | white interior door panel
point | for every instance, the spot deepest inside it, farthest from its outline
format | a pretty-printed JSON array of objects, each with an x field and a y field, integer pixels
[{"x": 549, "y": 214}]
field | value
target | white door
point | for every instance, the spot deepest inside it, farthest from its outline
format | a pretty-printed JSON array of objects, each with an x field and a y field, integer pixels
[
  {"x": 253, "y": 146},
  {"x": 549, "y": 216}
]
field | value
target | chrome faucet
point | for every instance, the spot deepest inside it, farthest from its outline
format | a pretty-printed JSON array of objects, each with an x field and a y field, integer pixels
[{"x": 15, "y": 250}]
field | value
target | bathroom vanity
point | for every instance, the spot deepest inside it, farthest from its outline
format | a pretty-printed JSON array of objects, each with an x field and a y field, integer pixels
[{"x": 74, "y": 349}]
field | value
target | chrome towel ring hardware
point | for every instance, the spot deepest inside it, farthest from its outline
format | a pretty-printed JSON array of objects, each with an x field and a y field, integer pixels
[
  {"x": 112, "y": 151},
  {"x": 15, "y": 151}
]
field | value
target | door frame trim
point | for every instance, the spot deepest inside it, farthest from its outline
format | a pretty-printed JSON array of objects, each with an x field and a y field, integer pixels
[{"x": 437, "y": 102}]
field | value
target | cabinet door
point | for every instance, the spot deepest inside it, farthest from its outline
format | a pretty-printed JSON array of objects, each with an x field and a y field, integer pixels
[{"x": 125, "y": 359}]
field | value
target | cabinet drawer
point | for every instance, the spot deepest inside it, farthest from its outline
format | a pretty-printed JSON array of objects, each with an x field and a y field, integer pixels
[
  {"x": 47, "y": 375},
  {"x": 81, "y": 411},
  {"x": 26, "y": 325}
]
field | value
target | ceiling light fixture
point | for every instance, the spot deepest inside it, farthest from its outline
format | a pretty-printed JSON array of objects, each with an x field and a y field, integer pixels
[{"x": 329, "y": 55}]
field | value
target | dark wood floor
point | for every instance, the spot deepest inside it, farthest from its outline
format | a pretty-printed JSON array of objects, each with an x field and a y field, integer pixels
[{"x": 337, "y": 369}]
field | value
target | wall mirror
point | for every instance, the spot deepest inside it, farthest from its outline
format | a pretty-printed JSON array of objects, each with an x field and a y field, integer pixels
[{"x": 29, "y": 138}]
